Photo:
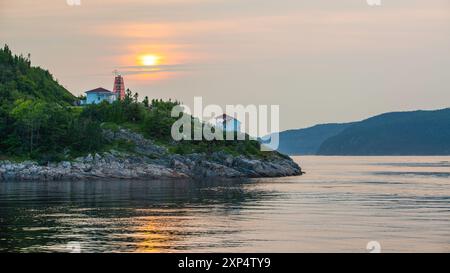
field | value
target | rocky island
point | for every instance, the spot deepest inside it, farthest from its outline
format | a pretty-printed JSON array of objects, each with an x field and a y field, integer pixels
[
  {"x": 48, "y": 134},
  {"x": 150, "y": 161}
]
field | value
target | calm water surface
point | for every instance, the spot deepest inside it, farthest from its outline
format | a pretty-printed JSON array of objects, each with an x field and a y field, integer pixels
[{"x": 340, "y": 205}]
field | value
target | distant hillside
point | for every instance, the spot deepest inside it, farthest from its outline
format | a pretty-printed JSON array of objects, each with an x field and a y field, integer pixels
[
  {"x": 398, "y": 133},
  {"x": 307, "y": 141},
  {"x": 19, "y": 80}
]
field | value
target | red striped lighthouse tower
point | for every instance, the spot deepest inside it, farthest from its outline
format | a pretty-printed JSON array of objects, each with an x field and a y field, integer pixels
[{"x": 119, "y": 86}]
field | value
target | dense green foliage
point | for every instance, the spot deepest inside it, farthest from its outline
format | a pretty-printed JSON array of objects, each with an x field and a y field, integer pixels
[
  {"x": 155, "y": 122},
  {"x": 19, "y": 80},
  {"x": 401, "y": 133},
  {"x": 48, "y": 131},
  {"x": 37, "y": 120}
]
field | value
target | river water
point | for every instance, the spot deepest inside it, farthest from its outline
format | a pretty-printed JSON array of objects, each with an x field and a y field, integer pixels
[{"x": 340, "y": 205}]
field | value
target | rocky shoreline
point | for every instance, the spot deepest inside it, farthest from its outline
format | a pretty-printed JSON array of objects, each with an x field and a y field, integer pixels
[{"x": 149, "y": 161}]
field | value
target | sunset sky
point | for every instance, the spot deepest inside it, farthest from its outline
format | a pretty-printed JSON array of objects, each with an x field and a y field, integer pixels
[{"x": 320, "y": 60}]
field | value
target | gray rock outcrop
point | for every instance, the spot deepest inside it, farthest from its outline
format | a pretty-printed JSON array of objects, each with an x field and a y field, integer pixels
[{"x": 149, "y": 161}]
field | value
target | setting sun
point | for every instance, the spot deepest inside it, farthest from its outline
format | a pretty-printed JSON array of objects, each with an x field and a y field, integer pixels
[{"x": 149, "y": 60}]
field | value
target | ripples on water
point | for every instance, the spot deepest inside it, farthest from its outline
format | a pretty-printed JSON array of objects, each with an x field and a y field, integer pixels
[{"x": 338, "y": 206}]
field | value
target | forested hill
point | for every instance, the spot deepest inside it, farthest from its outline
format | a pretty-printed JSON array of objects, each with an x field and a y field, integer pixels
[
  {"x": 397, "y": 133},
  {"x": 307, "y": 141},
  {"x": 19, "y": 80},
  {"x": 38, "y": 120}
]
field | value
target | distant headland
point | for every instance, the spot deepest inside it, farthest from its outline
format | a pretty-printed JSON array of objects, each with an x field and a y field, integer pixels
[{"x": 396, "y": 133}]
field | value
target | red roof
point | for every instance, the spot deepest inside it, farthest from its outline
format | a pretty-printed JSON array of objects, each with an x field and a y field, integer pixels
[{"x": 98, "y": 90}]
